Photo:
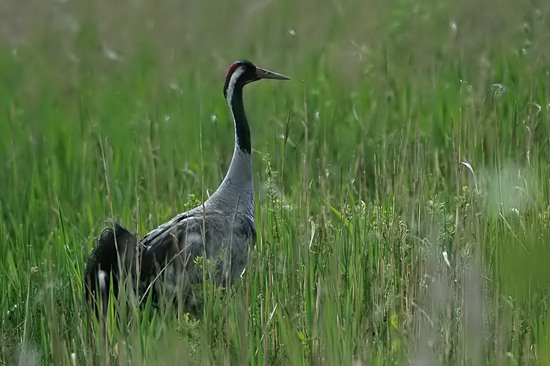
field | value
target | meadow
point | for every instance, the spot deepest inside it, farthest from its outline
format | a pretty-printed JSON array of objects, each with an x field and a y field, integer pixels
[{"x": 402, "y": 177}]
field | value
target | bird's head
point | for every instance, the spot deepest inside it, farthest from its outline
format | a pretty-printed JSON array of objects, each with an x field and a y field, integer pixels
[{"x": 243, "y": 72}]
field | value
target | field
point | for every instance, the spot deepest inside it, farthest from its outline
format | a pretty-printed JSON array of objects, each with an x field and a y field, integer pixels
[{"x": 402, "y": 177}]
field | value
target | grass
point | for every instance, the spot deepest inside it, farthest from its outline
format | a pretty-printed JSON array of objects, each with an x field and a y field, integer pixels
[{"x": 402, "y": 178}]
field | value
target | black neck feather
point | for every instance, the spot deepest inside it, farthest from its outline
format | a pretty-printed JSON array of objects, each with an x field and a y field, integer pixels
[{"x": 241, "y": 123}]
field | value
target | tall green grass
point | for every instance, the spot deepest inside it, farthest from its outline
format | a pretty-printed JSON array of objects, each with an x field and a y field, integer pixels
[{"x": 402, "y": 178}]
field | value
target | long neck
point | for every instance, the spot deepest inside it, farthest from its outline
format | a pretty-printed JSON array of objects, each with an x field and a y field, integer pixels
[
  {"x": 242, "y": 132},
  {"x": 236, "y": 190}
]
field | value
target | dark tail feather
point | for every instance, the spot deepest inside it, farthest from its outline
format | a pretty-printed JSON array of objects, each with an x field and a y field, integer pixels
[{"x": 115, "y": 243}]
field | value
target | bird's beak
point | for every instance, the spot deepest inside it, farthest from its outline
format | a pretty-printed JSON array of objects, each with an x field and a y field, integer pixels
[{"x": 266, "y": 74}]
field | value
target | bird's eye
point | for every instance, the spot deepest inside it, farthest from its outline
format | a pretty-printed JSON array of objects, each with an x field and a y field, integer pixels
[{"x": 244, "y": 67}]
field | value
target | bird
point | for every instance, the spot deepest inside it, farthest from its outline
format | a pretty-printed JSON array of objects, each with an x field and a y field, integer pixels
[{"x": 166, "y": 262}]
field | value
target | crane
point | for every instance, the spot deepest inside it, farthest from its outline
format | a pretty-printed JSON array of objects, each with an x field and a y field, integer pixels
[{"x": 222, "y": 229}]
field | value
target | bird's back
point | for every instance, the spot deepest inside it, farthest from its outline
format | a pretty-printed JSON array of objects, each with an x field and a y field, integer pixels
[{"x": 169, "y": 265}]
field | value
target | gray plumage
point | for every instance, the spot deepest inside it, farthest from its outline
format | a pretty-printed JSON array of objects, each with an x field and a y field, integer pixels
[
  {"x": 164, "y": 262},
  {"x": 213, "y": 233}
]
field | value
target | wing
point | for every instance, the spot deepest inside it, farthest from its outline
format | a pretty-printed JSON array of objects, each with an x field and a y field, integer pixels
[
  {"x": 179, "y": 238},
  {"x": 168, "y": 259},
  {"x": 114, "y": 243}
]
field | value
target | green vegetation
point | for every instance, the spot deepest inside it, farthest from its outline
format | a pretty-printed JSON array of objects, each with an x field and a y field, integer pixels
[{"x": 404, "y": 217}]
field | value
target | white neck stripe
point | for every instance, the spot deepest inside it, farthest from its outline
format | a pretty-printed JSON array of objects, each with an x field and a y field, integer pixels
[{"x": 232, "y": 81}]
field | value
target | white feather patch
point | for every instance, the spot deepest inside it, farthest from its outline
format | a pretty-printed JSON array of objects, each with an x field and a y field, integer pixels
[
  {"x": 102, "y": 279},
  {"x": 231, "y": 86}
]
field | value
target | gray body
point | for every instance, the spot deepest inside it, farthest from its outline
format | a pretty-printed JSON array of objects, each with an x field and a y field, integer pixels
[
  {"x": 164, "y": 263},
  {"x": 222, "y": 230}
]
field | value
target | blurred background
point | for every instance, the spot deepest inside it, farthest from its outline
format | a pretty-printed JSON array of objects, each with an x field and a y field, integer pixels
[
  {"x": 349, "y": 38},
  {"x": 412, "y": 191}
]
